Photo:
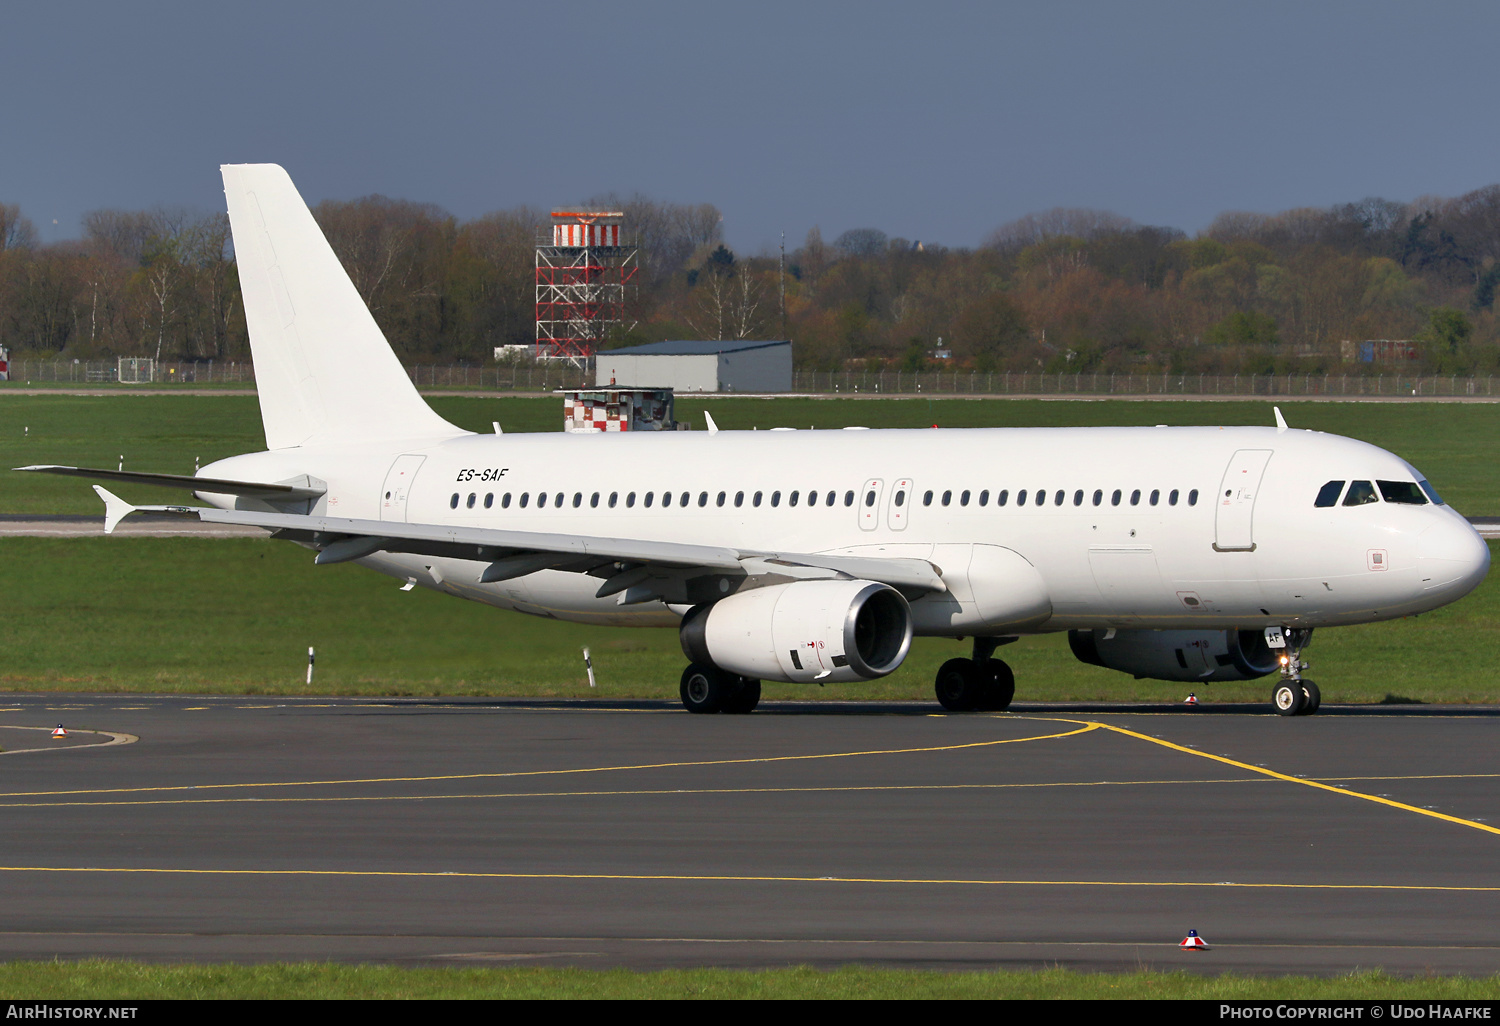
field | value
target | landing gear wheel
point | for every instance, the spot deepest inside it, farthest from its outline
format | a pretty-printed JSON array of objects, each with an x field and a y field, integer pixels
[
  {"x": 1311, "y": 698},
  {"x": 1000, "y": 685},
  {"x": 704, "y": 689},
  {"x": 1288, "y": 698},
  {"x": 961, "y": 685},
  {"x": 742, "y": 699}
]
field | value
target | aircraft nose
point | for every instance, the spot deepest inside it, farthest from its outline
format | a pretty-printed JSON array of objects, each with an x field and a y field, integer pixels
[{"x": 1451, "y": 557}]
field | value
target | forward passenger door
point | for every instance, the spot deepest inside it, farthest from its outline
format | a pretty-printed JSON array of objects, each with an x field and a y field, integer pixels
[{"x": 1234, "y": 517}]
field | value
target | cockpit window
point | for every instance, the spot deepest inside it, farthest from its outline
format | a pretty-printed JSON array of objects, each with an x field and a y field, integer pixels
[
  {"x": 1404, "y": 492},
  {"x": 1360, "y": 492},
  {"x": 1328, "y": 495},
  {"x": 1431, "y": 492}
]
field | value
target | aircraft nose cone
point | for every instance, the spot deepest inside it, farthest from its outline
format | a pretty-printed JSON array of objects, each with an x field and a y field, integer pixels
[{"x": 1451, "y": 557}]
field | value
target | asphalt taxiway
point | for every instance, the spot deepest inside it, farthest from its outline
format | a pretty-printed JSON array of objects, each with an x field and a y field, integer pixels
[{"x": 634, "y": 834}]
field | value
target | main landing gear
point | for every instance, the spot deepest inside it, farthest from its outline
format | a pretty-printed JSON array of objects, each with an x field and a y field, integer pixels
[
  {"x": 980, "y": 683},
  {"x": 1295, "y": 695},
  {"x": 708, "y": 689}
]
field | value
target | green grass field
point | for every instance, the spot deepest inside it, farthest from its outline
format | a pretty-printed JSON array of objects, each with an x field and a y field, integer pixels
[
  {"x": 126, "y": 981},
  {"x": 198, "y": 615},
  {"x": 1451, "y": 443},
  {"x": 237, "y": 616}
]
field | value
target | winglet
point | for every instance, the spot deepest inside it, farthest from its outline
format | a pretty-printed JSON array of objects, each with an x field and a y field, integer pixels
[
  {"x": 115, "y": 509},
  {"x": 1280, "y": 420},
  {"x": 713, "y": 428}
]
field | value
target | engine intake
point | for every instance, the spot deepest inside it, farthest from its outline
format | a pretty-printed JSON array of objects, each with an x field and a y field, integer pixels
[
  {"x": 803, "y": 631},
  {"x": 1177, "y": 655}
]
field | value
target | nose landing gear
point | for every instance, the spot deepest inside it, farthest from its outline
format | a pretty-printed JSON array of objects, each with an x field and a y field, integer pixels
[{"x": 1294, "y": 695}]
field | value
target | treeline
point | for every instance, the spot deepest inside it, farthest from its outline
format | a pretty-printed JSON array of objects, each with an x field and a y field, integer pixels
[{"x": 1065, "y": 290}]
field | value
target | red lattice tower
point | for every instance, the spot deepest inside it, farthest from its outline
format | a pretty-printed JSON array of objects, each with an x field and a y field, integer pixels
[{"x": 584, "y": 271}]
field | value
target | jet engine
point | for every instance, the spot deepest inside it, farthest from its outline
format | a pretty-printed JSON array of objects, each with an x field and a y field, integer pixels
[
  {"x": 1178, "y": 655},
  {"x": 803, "y": 631}
]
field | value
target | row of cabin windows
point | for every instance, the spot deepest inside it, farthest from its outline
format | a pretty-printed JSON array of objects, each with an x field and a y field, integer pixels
[
  {"x": 1406, "y": 493},
  {"x": 684, "y": 499},
  {"x": 1060, "y": 497},
  {"x": 831, "y": 498}
]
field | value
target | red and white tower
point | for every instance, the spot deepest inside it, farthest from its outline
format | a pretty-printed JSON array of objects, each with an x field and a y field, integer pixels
[{"x": 583, "y": 272}]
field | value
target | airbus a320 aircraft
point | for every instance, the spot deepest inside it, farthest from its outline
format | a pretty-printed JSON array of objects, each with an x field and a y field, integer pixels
[{"x": 1181, "y": 554}]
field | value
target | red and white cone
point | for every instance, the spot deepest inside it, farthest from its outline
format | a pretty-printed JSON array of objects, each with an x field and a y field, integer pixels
[
  {"x": 1192, "y": 942},
  {"x": 1191, "y": 699},
  {"x": 59, "y": 732}
]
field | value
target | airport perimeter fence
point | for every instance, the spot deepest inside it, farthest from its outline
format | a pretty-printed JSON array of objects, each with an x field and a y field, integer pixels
[{"x": 543, "y": 377}]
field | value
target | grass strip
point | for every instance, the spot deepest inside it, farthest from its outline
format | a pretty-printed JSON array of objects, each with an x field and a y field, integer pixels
[
  {"x": 236, "y": 616},
  {"x": 123, "y": 980}
]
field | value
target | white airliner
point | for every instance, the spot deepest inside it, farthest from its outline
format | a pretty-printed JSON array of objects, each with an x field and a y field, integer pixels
[{"x": 1182, "y": 554}]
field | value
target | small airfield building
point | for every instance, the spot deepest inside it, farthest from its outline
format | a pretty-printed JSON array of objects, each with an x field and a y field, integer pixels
[{"x": 742, "y": 365}]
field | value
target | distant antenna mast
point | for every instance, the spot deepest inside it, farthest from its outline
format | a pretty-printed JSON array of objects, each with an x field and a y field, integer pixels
[
  {"x": 584, "y": 267},
  {"x": 781, "y": 281}
]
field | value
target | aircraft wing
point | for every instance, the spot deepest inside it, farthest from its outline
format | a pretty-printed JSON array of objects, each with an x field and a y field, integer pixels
[
  {"x": 635, "y": 569},
  {"x": 283, "y": 491}
]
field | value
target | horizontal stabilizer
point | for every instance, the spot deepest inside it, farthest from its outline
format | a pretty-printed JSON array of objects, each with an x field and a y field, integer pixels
[{"x": 216, "y": 486}]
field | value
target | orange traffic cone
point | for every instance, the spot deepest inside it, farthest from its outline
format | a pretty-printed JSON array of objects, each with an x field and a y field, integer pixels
[
  {"x": 1192, "y": 942},
  {"x": 59, "y": 732}
]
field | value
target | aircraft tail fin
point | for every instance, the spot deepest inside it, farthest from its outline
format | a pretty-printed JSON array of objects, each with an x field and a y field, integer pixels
[{"x": 323, "y": 369}]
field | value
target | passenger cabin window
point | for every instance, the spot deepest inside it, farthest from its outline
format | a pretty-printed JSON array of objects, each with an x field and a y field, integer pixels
[
  {"x": 775, "y": 499},
  {"x": 594, "y": 501},
  {"x": 577, "y": 499},
  {"x": 901, "y": 498},
  {"x": 849, "y": 498},
  {"x": 1172, "y": 499},
  {"x": 489, "y": 499},
  {"x": 1020, "y": 498},
  {"x": 702, "y": 499},
  {"x": 947, "y": 498},
  {"x": 1155, "y": 496},
  {"x": 1004, "y": 496},
  {"x": 739, "y": 499},
  {"x": 505, "y": 501},
  {"x": 646, "y": 500},
  {"x": 984, "y": 497},
  {"x": 525, "y": 498},
  {"x": 756, "y": 500},
  {"x": 1057, "y": 500},
  {"x": 1360, "y": 492},
  {"x": 614, "y": 497},
  {"x": 1098, "y": 496},
  {"x": 719, "y": 500},
  {"x": 927, "y": 498},
  {"x": 1193, "y": 497},
  {"x": 791, "y": 500},
  {"x": 453, "y": 502},
  {"x": 963, "y": 499},
  {"x": 470, "y": 503},
  {"x": 1135, "y": 497},
  {"x": 684, "y": 499},
  {"x": 541, "y": 500},
  {"x": 831, "y": 499},
  {"x": 1114, "y": 499},
  {"x": 1404, "y": 492},
  {"x": 630, "y": 501},
  {"x": 666, "y": 499},
  {"x": 870, "y": 498},
  {"x": 1078, "y": 497},
  {"x": 557, "y": 500}
]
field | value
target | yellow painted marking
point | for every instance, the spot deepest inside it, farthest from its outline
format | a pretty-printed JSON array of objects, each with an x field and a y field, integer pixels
[
  {"x": 194, "y": 708},
  {"x": 556, "y": 772},
  {"x": 1283, "y": 776},
  {"x": 670, "y": 791},
  {"x": 735, "y": 878}
]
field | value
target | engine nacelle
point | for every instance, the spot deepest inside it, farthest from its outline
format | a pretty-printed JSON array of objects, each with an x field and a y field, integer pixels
[
  {"x": 803, "y": 631},
  {"x": 1178, "y": 655}
]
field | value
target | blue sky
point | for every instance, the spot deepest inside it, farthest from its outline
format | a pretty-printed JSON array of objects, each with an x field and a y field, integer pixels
[{"x": 936, "y": 121}]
